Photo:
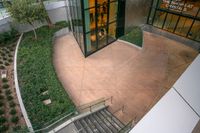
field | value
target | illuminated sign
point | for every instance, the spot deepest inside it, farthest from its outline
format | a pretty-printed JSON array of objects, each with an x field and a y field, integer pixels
[{"x": 177, "y": 5}]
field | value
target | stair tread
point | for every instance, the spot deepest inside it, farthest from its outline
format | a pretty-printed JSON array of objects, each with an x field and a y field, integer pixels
[
  {"x": 103, "y": 124},
  {"x": 107, "y": 122},
  {"x": 114, "y": 118},
  {"x": 92, "y": 125},
  {"x": 98, "y": 126},
  {"x": 79, "y": 127},
  {"x": 85, "y": 126}
]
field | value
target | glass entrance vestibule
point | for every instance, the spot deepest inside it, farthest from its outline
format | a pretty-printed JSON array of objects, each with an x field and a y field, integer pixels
[
  {"x": 96, "y": 23},
  {"x": 181, "y": 17}
]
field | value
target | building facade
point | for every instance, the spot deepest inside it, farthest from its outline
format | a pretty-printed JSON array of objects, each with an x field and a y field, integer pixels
[
  {"x": 97, "y": 23},
  {"x": 181, "y": 17}
]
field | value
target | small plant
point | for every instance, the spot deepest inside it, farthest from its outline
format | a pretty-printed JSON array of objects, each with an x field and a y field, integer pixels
[
  {"x": 8, "y": 92},
  {"x": 7, "y": 64},
  {"x": 10, "y": 60},
  {"x": 1, "y": 111},
  {"x": 13, "y": 111},
  {"x": 1, "y": 97},
  {"x": 5, "y": 86},
  {"x": 2, "y": 120},
  {"x": 10, "y": 55},
  {"x": 15, "y": 119},
  {"x": 9, "y": 98},
  {"x": 2, "y": 67},
  {"x": 12, "y": 104},
  {"x": 4, "y": 80},
  {"x": 1, "y": 104},
  {"x": 3, "y": 128}
]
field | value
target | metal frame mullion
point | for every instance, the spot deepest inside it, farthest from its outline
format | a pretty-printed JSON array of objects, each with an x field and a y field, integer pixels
[
  {"x": 108, "y": 17},
  {"x": 96, "y": 25},
  {"x": 155, "y": 12},
  {"x": 193, "y": 22}
]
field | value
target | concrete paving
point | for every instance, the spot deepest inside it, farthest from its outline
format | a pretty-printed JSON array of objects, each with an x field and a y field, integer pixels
[{"x": 135, "y": 78}]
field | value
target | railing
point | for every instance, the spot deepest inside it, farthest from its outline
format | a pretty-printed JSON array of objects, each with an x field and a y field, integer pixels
[
  {"x": 55, "y": 122},
  {"x": 64, "y": 117},
  {"x": 90, "y": 106}
]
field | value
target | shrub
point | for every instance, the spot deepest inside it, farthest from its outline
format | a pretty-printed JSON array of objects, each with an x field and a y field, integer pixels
[
  {"x": 13, "y": 111},
  {"x": 9, "y": 98},
  {"x": 10, "y": 60},
  {"x": 7, "y": 64},
  {"x": 1, "y": 97},
  {"x": 8, "y": 37},
  {"x": 2, "y": 67},
  {"x": 12, "y": 104},
  {"x": 3, "y": 128},
  {"x": 5, "y": 86},
  {"x": 8, "y": 92},
  {"x": 2, "y": 120},
  {"x": 4, "y": 80},
  {"x": 15, "y": 119},
  {"x": 1, "y": 111},
  {"x": 1, "y": 104}
]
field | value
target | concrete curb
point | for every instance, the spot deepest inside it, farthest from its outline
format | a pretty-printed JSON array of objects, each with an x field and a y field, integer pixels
[{"x": 25, "y": 115}]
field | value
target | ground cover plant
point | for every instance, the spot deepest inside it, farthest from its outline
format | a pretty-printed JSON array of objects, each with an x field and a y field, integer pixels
[
  {"x": 38, "y": 80},
  {"x": 133, "y": 35}
]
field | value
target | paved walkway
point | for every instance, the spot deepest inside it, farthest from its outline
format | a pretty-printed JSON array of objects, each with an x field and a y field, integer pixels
[{"x": 135, "y": 78}]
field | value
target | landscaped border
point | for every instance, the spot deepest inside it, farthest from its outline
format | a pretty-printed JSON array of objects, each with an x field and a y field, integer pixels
[{"x": 37, "y": 75}]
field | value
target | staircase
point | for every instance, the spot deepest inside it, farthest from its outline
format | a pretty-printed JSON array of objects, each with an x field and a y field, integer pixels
[{"x": 101, "y": 121}]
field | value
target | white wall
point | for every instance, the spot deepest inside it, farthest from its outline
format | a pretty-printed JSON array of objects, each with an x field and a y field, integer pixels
[{"x": 178, "y": 110}]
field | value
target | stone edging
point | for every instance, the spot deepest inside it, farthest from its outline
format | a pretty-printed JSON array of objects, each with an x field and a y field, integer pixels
[
  {"x": 132, "y": 43},
  {"x": 25, "y": 115}
]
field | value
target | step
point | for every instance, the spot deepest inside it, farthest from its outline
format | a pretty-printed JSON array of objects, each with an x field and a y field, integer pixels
[
  {"x": 115, "y": 119},
  {"x": 110, "y": 119},
  {"x": 85, "y": 126},
  {"x": 91, "y": 125},
  {"x": 102, "y": 124},
  {"x": 107, "y": 122},
  {"x": 95, "y": 122},
  {"x": 79, "y": 127}
]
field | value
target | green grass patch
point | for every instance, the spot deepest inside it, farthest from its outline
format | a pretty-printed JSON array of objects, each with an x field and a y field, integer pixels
[
  {"x": 36, "y": 74},
  {"x": 133, "y": 35}
]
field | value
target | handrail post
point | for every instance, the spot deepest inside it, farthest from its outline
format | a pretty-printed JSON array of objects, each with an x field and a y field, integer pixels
[{"x": 123, "y": 109}]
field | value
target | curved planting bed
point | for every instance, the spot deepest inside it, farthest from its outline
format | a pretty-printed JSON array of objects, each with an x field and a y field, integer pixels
[{"x": 44, "y": 97}]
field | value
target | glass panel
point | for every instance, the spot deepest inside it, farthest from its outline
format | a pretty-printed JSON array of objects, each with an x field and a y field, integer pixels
[
  {"x": 113, "y": 11},
  {"x": 183, "y": 26},
  {"x": 90, "y": 19},
  {"x": 170, "y": 22},
  {"x": 91, "y": 43},
  {"x": 159, "y": 19},
  {"x": 191, "y": 7},
  {"x": 102, "y": 2},
  {"x": 89, "y": 3},
  {"x": 195, "y": 31},
  {"x": 112, "y": 32},
  {"x": 102, "y": 15}
]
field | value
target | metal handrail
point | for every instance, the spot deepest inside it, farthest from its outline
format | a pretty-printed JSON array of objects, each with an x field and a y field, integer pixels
[
  {"x": 71, "y": 114},
  {"x": 94, "y": 103}
]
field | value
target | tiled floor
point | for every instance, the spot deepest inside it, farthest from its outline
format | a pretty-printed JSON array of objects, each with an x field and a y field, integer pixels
[{"x": 135, "y": 78}]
